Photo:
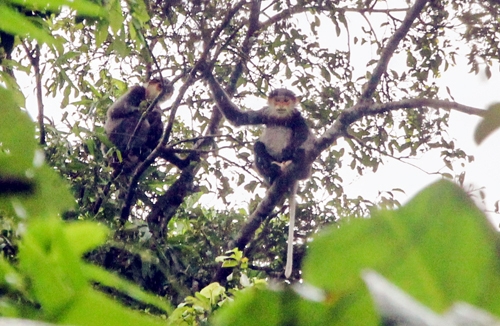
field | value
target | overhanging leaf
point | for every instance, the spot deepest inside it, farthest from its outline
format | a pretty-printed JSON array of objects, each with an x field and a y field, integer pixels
[
  {"x": 83, "y": 7},
  {"x": 16, "y": 23},
  {"x": 439, "y": 248},
  {"x": 489, "y": 124}
]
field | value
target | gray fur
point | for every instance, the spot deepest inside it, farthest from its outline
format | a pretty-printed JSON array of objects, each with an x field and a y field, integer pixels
[{"x": 276, "y": 138}]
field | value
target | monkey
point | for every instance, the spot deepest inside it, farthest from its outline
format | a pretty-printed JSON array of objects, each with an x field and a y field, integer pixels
[
  {"x": 136, "y": 141},
  {"x": 284, "y": 140}
]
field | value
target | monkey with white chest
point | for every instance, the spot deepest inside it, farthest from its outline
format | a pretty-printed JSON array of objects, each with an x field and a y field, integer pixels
[
  {"x": 135, "y": 138},
  {"x": 285, "y": 140}
]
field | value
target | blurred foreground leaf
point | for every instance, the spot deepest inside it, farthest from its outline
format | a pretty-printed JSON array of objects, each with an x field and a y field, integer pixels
[
  {"x": 489, "y": 124},
  {"x": 439, "y": 248}
]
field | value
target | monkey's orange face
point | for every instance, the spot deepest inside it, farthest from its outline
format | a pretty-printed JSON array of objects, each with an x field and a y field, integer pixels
[
  {"x": 154, "y": 89},
  {"x": 282, "y": 105}
]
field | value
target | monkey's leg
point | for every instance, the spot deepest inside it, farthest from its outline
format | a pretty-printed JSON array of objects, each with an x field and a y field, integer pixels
[{"x": 265, "y": 163}]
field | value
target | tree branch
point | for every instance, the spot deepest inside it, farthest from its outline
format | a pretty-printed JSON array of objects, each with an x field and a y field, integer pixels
[
  {"x": 34, "y": 58},
  {"x": 422, "y": 102},
  {"x": 168, "y": 203},
  {"x": 360, "y": 110},
  {"x": 389, "y": 49}
]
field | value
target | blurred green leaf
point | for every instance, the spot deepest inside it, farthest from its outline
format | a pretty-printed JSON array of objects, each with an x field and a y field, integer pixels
[
  {"x": 20, "y": 158},
  {"x": 252, "y": 307},
  {"x": 92, "y": 308},
  {"x": 15, "y": 23},
  {"x": 434, "y": 248},
  {"x": 85, "y": 236},
  {"x": 47, "y": 258},
  {"x": 83, "y": 7},
  {"x": 106, "y": 278},
  {"x": 17, "y": 136},
  {"x": 489, "y": 124}
]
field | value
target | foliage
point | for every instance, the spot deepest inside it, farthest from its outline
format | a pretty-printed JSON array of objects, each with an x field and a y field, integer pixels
[
  {"x": 434, "y": 248},
  {"x": 167, "y": 227},
  {"x": 48, "y": 280},
  {"x": 489, "y": 124}
]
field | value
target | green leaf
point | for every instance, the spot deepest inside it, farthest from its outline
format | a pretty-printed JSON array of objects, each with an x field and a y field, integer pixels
[
  {"x": 489, "y": 124},
  {"x": 92, "y": 308},
  {"x": 20, "y": 159},
  {"x": 254, "y": 306},
  {"x": 439, "y": 248},
  {"x": 47, "y": 258},
  {"x": 16, "y": 23},
  {"x": 10, "y": 277},
  {"x": 41, "y": 204},
  {"x": 17, "y": 136},
  {"x": 213, "y": 292},
  {"x": 83, "y": 7},
  {"x": 116, "y": 16},
  {"x": 108, "y": 279},
  {"x": 101, "y": 32},
  {"x": 85, "y": 236}
]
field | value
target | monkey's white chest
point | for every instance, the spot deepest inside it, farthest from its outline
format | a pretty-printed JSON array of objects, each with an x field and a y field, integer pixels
[{"x": 276, "y": 138}]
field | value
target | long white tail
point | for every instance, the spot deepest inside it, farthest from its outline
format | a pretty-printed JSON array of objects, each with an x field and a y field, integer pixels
[{"x": 289, "y": 255}]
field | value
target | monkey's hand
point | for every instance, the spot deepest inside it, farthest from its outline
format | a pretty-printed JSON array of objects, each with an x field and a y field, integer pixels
[{"x": 143, "y": 106}]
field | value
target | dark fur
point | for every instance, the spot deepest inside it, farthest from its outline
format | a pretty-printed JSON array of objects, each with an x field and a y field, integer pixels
[
  {"x": 123, "y": 117},
  {"x": 264, "y": 158}
]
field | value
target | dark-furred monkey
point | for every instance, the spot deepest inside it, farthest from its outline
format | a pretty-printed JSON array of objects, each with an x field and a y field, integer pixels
[
  {"x": 123, "y": 119},
  {"x": 285, "y": 139}
]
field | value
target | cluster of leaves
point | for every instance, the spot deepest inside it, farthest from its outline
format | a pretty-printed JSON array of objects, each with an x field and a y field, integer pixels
[
  {"x": 439, "y": 248},
  {"x": 47, "y": 278}
]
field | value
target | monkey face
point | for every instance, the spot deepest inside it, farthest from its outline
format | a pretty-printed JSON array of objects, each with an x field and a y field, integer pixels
[
  {"x": 282, "y": 102},
  {"x": 154, "y": 88}
]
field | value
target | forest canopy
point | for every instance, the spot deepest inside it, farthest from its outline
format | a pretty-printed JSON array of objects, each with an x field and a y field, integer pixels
[{"x": 366, "y": 74}]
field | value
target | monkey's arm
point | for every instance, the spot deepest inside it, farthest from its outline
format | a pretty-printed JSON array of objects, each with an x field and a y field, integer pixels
[
  {"x": 300, "y": 133},
  {"x": 229, "y": 109}
]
